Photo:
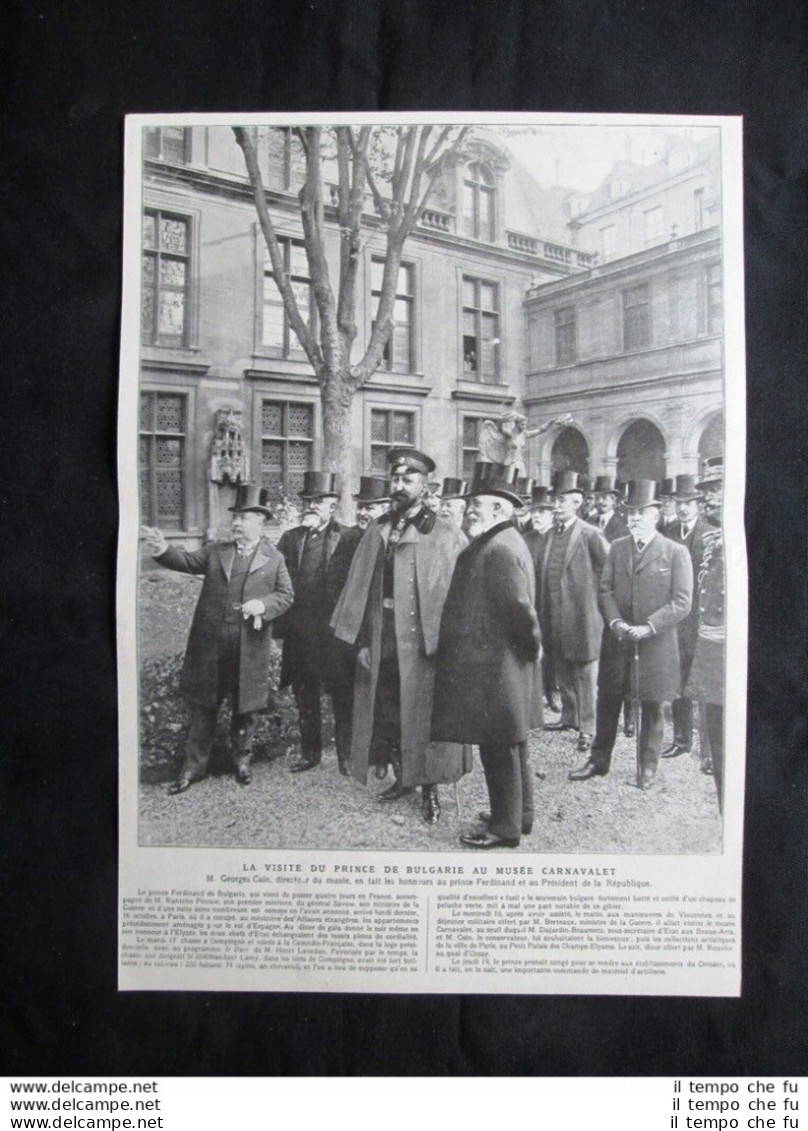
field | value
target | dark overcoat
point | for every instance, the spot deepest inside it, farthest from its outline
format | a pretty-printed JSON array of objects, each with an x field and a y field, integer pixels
[
  {"x": 615, "y": 528},
  {"x": 268, "y": 581},
  {"x": 424, "y": 561},
  {"x": 488, "y": 679},
  {"x": 655, "y": 588},
  {"x": 306, "y": 636},
  {"x": 688, "y": 628},
  {"x": 576, "y": 620}
]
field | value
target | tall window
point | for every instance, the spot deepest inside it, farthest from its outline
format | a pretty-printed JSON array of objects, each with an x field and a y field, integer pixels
[
  {"x": 636, "y": 318},
  {"x": 714, "y": 296},
  {"x": 166, "y": 278},
  {"x": 608, "y": 241},
  {"x": 162, "y": 459},
  {"x": 480, "y": 330},
  {"x": 471, "y": 444},
  {"x": 565, "y": 335},
  {"x": 389, "y": 429},
  {"x": 398, "y": 351},
  {"x": 167, "y": 143},
  {"x": 478, "y": 203},
  {"x": 277, "y": 333},
  {"x": 698, "y": 209},
  {"x": 654, "y": 229},
  {"x": 287, "y": 445}
]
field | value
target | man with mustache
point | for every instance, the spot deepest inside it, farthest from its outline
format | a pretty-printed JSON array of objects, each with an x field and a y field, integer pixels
[
  {"x": 318, "y": 554},
  {"x": 372, "y": 500},
  {"x": 390, "y": 610}
]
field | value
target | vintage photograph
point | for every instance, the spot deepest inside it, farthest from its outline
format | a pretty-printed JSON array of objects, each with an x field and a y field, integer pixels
[{"x": 431, "y": 448}]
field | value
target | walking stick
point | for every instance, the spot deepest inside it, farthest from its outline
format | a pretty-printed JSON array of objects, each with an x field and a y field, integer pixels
[
  {"x": 636, "y": 698},
  {"x": 457, "y": 800}
]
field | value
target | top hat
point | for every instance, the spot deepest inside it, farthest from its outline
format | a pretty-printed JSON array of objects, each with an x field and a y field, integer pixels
[
  {"x": 713, "y": 472},
  {"x": 606, "y": 485},
  {"x": 686, "y": 489},
  {"x": 524, "y": 488},
  {"x": 565, "y": 482},
  {"x": 542, "y": 498},
  {"x": 643, "y": 493},
  {"x": 666, "y": 488},
  {"x": 411, "y": 460},
  {"x": 495, "y": 479},
  {"x": 318, "y": 484},
  {"x": 251, "y": 497},
  {"x": 621, "y": 487},
  {"x": 585, "y": 484},
  {"x": 373, "y": 489},
  {"x": 455, "y": 489}
]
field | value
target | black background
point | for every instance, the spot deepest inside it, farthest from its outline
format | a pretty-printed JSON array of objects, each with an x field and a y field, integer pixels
[{"x": 71, "y": 72}]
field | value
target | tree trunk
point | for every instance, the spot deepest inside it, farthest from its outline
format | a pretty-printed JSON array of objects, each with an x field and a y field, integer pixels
[{"x": 336, "y": 396}]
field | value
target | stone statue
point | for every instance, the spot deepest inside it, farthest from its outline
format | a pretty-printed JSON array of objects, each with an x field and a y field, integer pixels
[{"x": 503, "y": 440}]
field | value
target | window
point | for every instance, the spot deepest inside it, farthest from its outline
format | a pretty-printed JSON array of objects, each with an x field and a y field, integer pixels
[
  {"x": 698, "y": 209},
  {"x": 654, "y": 230},
  {"x": 636, "y": 318},
  {"x": 480, "y": 330},
  {"x": 565, "y": 335},
  {"x": 478, "y": 203},
  {"x": 277, "y": 333},
  {"x": 162, "y": 459},
  {"x": 471, "y": 444},
  {"x": 166, "y": 278},
  {"x": 167, "y": 143},
  {"x": 715, "y": 305},
  {"x": 608, "y": 241},
  {"x": 398, "y": 347},
  {"x": 389, "y": 429},
  {"x": 287, "y": 446},
  {"x": 286, "y": 165}
]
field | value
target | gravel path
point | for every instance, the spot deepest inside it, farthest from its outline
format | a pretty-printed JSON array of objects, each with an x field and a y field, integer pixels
[{"x": 322, "y": 810}]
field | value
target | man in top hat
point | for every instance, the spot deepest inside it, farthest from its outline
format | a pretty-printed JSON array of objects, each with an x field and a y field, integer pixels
[
  {"x": 488, "y": 681},
  {"x": 573, "y": 558},
  {"x": 318, "y": 554},
  {"x": 541, "y": 523},
  {"x": 453, "y": 499},
  {"x": 706, "y": 679},
  {"x": 372, "y": 500},
  {"x": 667, "y": 518},
  {"x": 246, "y": 587},
  {"x": 390, "y": 610},
  {"x": 608, "y": 520},
  {"x": 689, "y": 530},
  {"x": 521, "y": 516},
  {"x": 645, "y": 591}
]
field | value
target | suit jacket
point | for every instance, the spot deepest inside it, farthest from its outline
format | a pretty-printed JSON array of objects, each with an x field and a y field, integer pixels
[
  {"x": 576, "y": 622},
  {"x": 657, "y": 589},
  {"x": 268, "y": 581},
  {"x": 616, "y": 527},
  {"x": 305, "y": 631},
  {"x": 488, "y": 680}
]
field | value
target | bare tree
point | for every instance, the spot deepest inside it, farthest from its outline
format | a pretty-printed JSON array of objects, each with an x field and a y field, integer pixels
[{"x": 396, "y": 167}]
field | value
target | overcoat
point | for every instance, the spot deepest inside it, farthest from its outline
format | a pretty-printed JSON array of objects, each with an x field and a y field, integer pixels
[
  {"x": 268, "y": 581},
  {"x": 657, "y": 589},
  {"x": 576, "y": 620},
  {"x": 488, "y": 679},
  {"x": 307, "y": 639},
  {"x": 689, "y": 627},
  {"x": 616, "y": 527},
  {"x": 424, "y": 562}
]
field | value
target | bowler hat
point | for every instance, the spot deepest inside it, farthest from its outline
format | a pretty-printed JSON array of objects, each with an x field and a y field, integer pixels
[
  {"x": 606, "y": 485},
  {"x": 373, "y": 489},
  {"x": 666, "y": 488},
  {"x": 542, "y": 497},
  {"x": 686, "y": 490},
  {"x": 318, "y": 484},
  {"x": 565, "y": 482},
  {"x": 643, "y": 493},
  {"x": 713, "y": 472},
  {"x": 495, "y": 479},
  {"x": 251, "y": 497},
  {"x": 455, "y": 489},
  {"x": 410, "y": 459}
]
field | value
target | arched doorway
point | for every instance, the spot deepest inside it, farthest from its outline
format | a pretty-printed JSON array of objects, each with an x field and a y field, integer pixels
[
  {"x": 570, "y": 452},
  {"x": 641, "y": 452},
  {"x": 711, "y": 442}
]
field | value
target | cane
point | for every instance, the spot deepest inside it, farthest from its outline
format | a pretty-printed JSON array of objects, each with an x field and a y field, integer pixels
[
  {"x": 636, "y": 698},
  {"x": 457, "y": 799}
]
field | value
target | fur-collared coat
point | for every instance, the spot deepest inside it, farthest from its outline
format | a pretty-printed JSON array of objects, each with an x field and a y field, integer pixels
[{"x": 268, "y": 581}]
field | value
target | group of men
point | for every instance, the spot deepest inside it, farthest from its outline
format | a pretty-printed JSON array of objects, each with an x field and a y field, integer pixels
[{"x": 424, "y": 625}]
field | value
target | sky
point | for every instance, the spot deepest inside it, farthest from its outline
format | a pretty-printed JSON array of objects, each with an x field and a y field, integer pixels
[{"x": 579, "y": 157}]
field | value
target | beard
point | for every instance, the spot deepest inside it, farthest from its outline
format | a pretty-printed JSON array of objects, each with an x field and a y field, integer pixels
[{"x": 400, "y": 502}]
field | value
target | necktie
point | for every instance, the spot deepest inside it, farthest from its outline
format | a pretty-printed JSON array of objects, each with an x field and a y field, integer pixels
[
  {"x": 559, "y": 526},
  {"x": 640, "y": 546}
]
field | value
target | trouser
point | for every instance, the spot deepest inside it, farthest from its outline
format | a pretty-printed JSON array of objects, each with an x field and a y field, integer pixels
[
  {"x": 705, "y": 754},
  {"x": 714, "y": 717},
  {"x": 510, "y": 788},
  {"x": 577, "y": 683},
  {"x": 608, "y": 717},
  {"x": 307, "y": 688},
  {"x": 548, "y": 675},
  {"x": 628, "y": 713},
  {"x": 682, "y": 710},
  {"x": 203, "y": 718},
  {"x": 385, "y": 742}
]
